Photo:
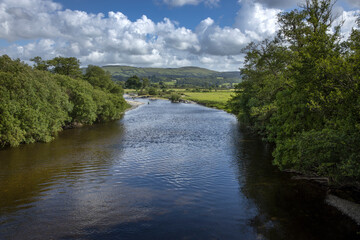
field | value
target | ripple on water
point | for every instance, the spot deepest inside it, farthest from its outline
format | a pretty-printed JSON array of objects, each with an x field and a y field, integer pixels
[{"x": 164, "y": 171}]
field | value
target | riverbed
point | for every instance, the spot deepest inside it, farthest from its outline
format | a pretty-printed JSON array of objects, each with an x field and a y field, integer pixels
[{"x": 164, "y": 171}]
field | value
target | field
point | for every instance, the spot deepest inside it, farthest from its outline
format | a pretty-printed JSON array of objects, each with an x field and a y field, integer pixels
[{"x": 216, "y": 99}]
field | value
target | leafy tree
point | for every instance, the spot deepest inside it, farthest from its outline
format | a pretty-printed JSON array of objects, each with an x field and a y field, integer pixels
[
  {"x": 145, "y": 83},
  {"x": 133, "y": 82},
  {"x": 152, "y": 91},
  {"x": 97, "y": 77},
  {"x": 162, "y": 85},
  {"x": 32, "y": 106},
  {"x": 35, "y": 105},
  {"x": 301, "y": 91},
  {"x": 263, "y": 78},
  {"x": 175, "y": 97},
  {"x": 66, "y": 66},
  {"x": 40, "y": 64}
]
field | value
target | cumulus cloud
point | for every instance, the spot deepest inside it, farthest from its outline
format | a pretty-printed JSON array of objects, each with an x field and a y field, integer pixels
[
  {"x": 113, "y": 38},
  {"x": 286, "y": 4},
  {"x": 347, "y": 20},
  {"x": 177, "y": 38},
  {"x": 220, "y": 41},
  {"x": 180, "y": 3},
  {"x": 354, "y": 3},
  {"x": 283, "y": 4},
  {"x": 45, "y": 29},
  {"x": 256, "y": 20}
]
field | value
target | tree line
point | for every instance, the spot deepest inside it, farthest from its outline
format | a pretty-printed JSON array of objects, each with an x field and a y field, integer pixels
[
  {"x": 301, "y": 91},
  {"x": 37, "y": 102}
]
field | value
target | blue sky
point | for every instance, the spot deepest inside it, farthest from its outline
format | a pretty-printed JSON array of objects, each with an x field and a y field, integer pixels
[
  {"x": 145, "y": 33},
  {"x": 187, "y": 15}
]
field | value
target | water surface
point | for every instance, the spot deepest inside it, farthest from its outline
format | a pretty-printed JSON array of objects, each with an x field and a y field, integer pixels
[{"x": 164, "y": 171}]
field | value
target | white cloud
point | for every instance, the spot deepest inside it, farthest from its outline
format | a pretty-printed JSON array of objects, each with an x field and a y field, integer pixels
[
  {"x": 283, "y": 4},
  {"x": 178, "y": 38},
  {"x": 32, "y": 5},
  {"x": 180, "y": 3},
  {"x": 354, "y": 3},
  {"x": 220, "y": 41},
  {"x": 256, "y": 20},
  {"x": 347, "y": 19},
  {"x": 112, "y": 38}
]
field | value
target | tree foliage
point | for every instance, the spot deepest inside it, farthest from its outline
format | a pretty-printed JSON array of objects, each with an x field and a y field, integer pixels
[
  {"x": 40, "y": 64},
  {"x": 66, "y": 66},
  {"x": 101, "y": 79},
  {"x": 36, "y": 104},
  {"x": 133, "y": 83},
  {"x": 301, "y": 91}
]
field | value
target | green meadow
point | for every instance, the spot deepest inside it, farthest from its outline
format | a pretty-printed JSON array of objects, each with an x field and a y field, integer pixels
[{"x": 216, "y": 99}]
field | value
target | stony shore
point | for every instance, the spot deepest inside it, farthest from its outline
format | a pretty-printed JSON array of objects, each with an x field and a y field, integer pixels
[
  {"x": 348, "y": 208},
  {"x": 336, "y": 196},
  {"x": 133, "y": 104}
]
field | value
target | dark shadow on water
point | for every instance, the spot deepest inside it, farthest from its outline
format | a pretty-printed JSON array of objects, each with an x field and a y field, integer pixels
[
  {"x": 29, "y": 171},
  {"x": 288, "y": 209}
]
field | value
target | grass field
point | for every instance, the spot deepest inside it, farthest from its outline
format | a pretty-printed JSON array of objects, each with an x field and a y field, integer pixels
[{"x": 216, "y": 99}]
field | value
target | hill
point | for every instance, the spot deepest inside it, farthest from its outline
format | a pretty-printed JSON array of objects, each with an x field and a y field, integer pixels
[{"x": 184, "y": 76}]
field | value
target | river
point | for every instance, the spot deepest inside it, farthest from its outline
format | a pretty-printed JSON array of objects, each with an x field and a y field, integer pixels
[{"x": 164, "y": 171}]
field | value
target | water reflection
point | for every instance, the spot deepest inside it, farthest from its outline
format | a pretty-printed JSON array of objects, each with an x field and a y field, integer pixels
[
  {"x": 32, "y": 170},
  {"x": 286, "y": 209},
  {"x": 165, "y": 171}
]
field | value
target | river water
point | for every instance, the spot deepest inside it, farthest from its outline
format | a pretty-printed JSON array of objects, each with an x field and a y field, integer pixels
[{"x": 164, "y": 171}]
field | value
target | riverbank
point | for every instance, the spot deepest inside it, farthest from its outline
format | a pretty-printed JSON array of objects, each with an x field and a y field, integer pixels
[
  {"x": 133, "y": 104},
  {"x": 212, "y": 99},
  {"x": 345, "y": 198},
  {"x": 348, "y": 208}
]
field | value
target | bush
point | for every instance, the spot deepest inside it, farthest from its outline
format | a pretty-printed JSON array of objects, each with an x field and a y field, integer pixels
[
  {"x": 142, "y": 92},
  {"x": 33, "y": 107},
  {"x": 333, "y": 153},
  {"x": 36, "y": 104},
  {"x": 152, "y": 91},
  {"x": 174, "y": 97}
]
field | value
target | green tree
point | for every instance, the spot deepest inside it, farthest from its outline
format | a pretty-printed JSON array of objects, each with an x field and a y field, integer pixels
[
  {"x": 263, "y": 77},
  {"x": 35, "y": 105},
  {"x": 301, "y": 91},
  {"x": 133, "y": 83},
  {"x": 152, "y": 91},
  {"x": 174, "y": 97},
  {"x": 162, "y": 85},
  {"x": 145, "y": 82},
  {"x": 66, "y": 66},
  {"x": 97, "y": 77},
  {"x": 40, "y": 64}
]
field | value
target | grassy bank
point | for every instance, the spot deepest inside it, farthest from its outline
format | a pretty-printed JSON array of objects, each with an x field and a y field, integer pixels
[{"x": 216, "y": 99}]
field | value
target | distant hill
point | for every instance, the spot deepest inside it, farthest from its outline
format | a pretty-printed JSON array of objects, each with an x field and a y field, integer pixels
[
  {"x": 127, "y": 71},
  {"x": 184, "y": 76}
]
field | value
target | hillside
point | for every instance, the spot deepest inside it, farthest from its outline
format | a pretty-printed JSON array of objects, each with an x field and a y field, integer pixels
[
  {"x": 184, "y": 76},
  {"x": 127, "y": 71}
]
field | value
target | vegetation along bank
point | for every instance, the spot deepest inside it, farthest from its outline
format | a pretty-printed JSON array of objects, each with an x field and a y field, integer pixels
[
  {"x": 36, "y": 103},
  {"x": 301, "y": 91}
]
